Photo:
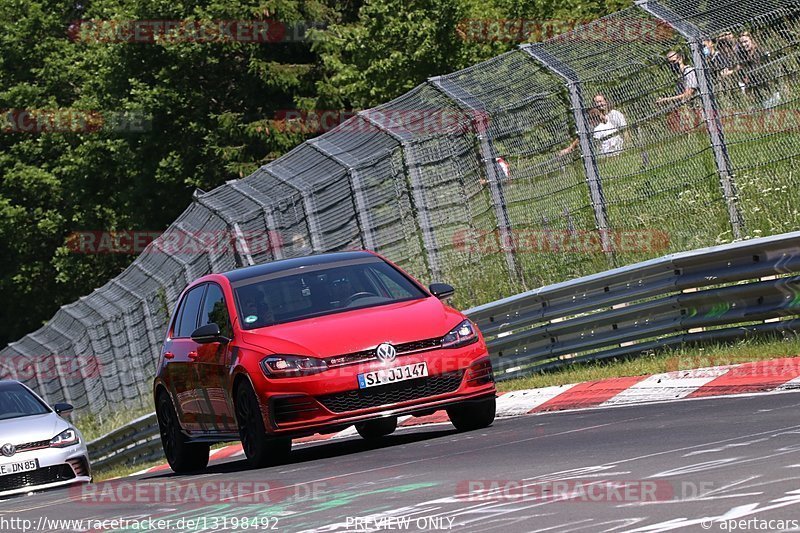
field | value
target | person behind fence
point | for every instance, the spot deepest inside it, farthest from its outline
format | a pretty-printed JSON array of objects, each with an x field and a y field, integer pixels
[
  {"x": 728, "y": 49},
  {"x": 686, "y": 86},
  {"x": 609, "y": 127},
  {"x": 751, "y": 72},
  {"x": 716, "y": 61}
]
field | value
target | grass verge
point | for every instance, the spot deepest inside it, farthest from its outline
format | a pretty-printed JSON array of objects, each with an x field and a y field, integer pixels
[{"x": 666, "y": 361}]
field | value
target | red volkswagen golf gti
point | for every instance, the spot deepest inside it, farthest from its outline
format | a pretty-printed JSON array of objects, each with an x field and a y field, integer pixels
[{"x": 267, "y": 353}]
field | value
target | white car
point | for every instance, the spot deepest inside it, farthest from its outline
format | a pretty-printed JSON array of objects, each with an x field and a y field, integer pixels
[{"x": 38, "y": 448}]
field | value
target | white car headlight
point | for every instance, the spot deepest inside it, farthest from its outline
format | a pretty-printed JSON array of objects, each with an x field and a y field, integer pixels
[{"x": 68, "y": 437}]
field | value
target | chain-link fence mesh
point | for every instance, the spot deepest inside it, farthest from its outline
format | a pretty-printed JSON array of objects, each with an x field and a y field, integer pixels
[{"x": 667, "y": 126}]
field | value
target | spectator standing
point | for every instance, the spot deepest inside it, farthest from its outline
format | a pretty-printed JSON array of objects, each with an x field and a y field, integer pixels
[
  {"x": 687, "y": 86},
  {"x": 609, "y": 127}
]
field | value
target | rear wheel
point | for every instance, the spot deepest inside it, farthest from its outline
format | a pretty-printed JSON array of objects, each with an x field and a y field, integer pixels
[
  {"x": 469, "y": 416},
  {"x": 375, "y": 429},
  {"x": 182, "y": 456},
  {"x": 259, "y": 448}
]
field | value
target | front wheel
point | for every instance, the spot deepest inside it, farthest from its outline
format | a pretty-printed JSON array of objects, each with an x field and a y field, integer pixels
[
  {"x": 260, "y": 449},
  {"x": 470, "y": 416},
  {"x": 182, "y": 456},
  {"x": 375, "y": 429}
]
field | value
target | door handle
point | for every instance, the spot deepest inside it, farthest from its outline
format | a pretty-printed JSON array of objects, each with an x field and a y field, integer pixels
[
  {"x": 169, "y": 355},
  {"x": 192, "y": 355}
]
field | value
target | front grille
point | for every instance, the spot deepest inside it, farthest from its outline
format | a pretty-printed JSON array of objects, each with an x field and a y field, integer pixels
[
  {"x": 32, "y": 446},
  {"x": 48, "y": 474},
  {"x": 396, "y": 392},
  {"x": 402, "y": 349}
]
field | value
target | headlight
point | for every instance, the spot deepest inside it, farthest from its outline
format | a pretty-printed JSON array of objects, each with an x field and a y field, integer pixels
[
  {"x": 461, "y": 335},
  {"x": 286, "y": 366},
  {"x": 68, "y": 437}
]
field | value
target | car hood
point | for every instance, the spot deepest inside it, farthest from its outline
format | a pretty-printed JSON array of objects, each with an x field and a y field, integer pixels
[
  {"x": 357, "y": 330},
  {"x": 31, "y": 428}
]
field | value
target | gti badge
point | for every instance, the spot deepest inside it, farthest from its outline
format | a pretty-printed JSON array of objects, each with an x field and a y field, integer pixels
[
  {"x": 386, "y": 352},
  {"x": 8, "y": 449}
]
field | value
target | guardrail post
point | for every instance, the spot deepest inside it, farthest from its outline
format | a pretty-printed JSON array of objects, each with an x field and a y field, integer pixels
[
  {"x": 694, "y": 36},
  {"x": 404, "y": 137},
  {"x": 326, "y": 148},
  {"x": 489, "y": 158},
  {"x": 578, "y": 105}
]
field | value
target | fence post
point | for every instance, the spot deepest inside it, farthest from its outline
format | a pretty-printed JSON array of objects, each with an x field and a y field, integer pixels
[
  {"x": 329, "y": 150},
  {"x": 578, "y": 105},
  {"x": 241, "y": 251},
  {"x": 404, "y": 137},
  {"x": 314, "y": 231},
  {"x": 247, "y": 190},
  {"x": 489, "y": 156},
  {"x": 694, "y": 36}
]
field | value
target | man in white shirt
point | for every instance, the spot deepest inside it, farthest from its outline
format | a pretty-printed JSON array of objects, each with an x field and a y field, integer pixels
[
  {"x": 610, "y": 125},
  {"x": 608, "y": 131}
]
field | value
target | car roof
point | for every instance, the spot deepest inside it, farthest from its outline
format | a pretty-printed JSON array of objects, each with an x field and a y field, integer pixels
[
  {"x": 286, "y": 264},
  {"x": 6, "y": 384}
]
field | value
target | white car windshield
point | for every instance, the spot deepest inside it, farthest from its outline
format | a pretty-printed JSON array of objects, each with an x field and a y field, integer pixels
[{"x": 16, "y": 401}]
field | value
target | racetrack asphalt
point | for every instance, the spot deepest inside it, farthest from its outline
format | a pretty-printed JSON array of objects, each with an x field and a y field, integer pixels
[{"x": 684, "y": 465}]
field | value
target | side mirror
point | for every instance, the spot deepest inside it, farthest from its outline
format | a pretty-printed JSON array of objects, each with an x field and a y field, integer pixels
[
  {"x": 63, "y": 408},
  {"x": 441, "y": 290},
  {"x": 208, "y": 334}
]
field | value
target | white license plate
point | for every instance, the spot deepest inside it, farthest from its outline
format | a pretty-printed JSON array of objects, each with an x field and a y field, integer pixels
[
  {"x": 385, "y": 376},
  {"x": 16, "y": 468}
]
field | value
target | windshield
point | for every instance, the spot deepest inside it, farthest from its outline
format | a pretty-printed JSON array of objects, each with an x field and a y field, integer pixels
[
  {"x": 316, "y": 290},
  {"x": 16, "y": 401}
]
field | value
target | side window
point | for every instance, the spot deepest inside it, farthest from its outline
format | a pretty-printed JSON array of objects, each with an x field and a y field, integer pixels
[
  {"x": 214, "y": 310},
  {"x": 187, "y": 322}
]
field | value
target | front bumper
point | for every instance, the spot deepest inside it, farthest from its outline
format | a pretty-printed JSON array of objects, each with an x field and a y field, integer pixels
[
  {"x": 57, "y": 467},
  {"x": 324, "y": 403}
]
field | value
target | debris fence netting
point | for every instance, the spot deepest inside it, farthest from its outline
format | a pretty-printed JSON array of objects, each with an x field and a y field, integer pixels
[{"x": 664, "y": 127}]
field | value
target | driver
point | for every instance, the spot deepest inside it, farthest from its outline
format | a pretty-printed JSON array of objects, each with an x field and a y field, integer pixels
[{"x": 256, "y": 311}]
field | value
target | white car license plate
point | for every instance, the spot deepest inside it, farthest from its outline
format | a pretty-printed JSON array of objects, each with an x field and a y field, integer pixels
[
  {"x": 16, "y": 468},
  {"x": 385, "y": 376}
]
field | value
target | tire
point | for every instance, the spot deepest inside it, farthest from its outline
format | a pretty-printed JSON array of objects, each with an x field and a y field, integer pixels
[
  {"x": 471, "y": 416},
  {"x": 376, "y": 429},
  {"x": 182, "y": 456},
  {"x": 260, "y": 449}
]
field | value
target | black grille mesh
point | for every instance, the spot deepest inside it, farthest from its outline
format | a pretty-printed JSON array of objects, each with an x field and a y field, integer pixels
[
  {"x": 396, "y": 392},
  {"x": 41, "y": 476}
]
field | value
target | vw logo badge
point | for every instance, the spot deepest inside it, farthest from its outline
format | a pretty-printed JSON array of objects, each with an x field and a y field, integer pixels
[
  {"x": 386, "y": 352},
  {"x": 8, "y": 449}
]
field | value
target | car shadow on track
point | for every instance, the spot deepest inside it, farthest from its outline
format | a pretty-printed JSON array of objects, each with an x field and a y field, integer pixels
[{"x": 317, "y": 451}]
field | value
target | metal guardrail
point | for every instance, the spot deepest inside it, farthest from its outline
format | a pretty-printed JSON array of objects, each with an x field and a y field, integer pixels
[
  {"x": 712, "y": 294},
  {"x": 134, "y": 443},
  {"x": 720, "y": 293}
]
